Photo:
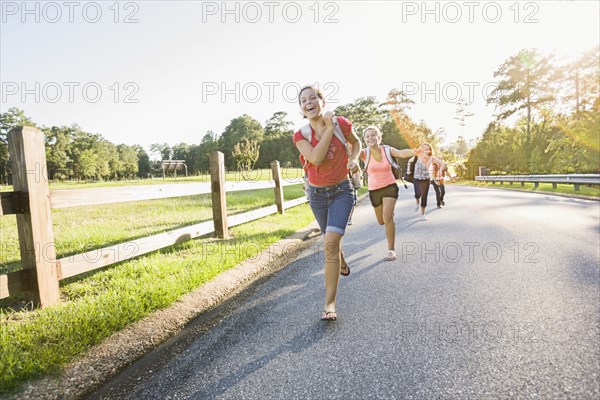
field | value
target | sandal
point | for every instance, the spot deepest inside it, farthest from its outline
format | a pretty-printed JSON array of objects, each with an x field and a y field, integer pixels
[
  {"x": 329, "y": 316},
  {"x": 345, "y": 268},
  {"x": 391, "y": 255}
]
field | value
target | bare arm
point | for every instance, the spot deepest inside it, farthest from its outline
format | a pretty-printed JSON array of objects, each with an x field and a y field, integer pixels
[
  {"x": 363, "y": 154},
  {"x": 440, "y": 165},
  {"x": 404, "y": 153},
  {"x": 439, "y": 162},
  {"x": 316, "y": 154},
  {"x": 355, "y": 152}
]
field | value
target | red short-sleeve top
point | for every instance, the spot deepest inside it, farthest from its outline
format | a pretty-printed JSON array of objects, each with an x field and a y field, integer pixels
[{"x": 333, "y": 169}]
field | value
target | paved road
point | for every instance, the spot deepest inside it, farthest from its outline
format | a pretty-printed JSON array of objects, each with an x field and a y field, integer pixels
[{"x": 496, "y": 296}]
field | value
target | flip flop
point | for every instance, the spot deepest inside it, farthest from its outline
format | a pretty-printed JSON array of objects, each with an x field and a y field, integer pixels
[
  {"x": 345, "y": 268},
  {"x": 391, "y": 256},
  {"x": 329, "y": 316}
]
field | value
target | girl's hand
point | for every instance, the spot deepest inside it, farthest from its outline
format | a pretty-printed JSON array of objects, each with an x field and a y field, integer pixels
[
  {"x": 328, "y": 118},
  {"x": 353, "y": 166}
]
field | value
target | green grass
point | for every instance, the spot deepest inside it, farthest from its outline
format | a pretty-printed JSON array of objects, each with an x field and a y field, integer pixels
[
  {"x": 99, "y": 303},
  {"x": 543, "y": 187},
  {"x": 231, "y": 176},
  {"x": 80, "y": 229}
]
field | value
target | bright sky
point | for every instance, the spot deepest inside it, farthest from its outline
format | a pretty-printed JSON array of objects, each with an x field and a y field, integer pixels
[{"x": 144, "y": 72}]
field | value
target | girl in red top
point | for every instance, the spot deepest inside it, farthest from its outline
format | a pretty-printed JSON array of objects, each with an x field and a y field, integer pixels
[
  {"x": 383, "y": 190},
  {"x": 327, "y": 164}
]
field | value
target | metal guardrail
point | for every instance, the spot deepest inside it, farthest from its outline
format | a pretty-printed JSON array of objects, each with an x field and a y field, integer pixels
[{"x": 570, "y": 179}]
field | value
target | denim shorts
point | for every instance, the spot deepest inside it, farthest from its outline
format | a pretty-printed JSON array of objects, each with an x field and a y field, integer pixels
[{"x": 332, "y": 205}]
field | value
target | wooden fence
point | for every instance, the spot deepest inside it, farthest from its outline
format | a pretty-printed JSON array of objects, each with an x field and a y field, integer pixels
[{"x": 32, "y": 202}]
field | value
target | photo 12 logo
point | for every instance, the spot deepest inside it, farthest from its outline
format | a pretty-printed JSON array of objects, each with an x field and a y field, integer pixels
[
  {"x": 459, "y": 331},
  {"x": 53, "y": 12},
  {"x": 69, "y": 92},
  {"x": 470, "y": 252},
  {"x": 252, "y": 12},
  {"x": 455, "y": 92},
  {"x": 453, "y": 12},
  {"x": 255, "y": 92}
]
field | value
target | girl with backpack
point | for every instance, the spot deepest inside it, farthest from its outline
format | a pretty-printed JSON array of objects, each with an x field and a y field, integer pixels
[
  {"x": 383, "y": 189},
  {"x": 422, "y": 175},
  {"x": 327, "y": 161}
]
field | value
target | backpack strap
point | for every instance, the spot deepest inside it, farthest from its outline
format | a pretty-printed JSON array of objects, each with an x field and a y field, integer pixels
[
  {"x": 306, "y": 131},
  {"x": 388, "y": 154},
  {"x": 411, "y": 163},
  {"x": 337, "y": 131}
]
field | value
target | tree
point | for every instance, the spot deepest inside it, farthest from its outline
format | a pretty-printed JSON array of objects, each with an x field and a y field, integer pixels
[
  {"x": 461, "y": 147},
  {"x": 582, "y": 82},
  {"x": 574, "y": 146},
  {"x": 12, "y": 118},
  {"x": 91, "y": 155},
  {"x": 397, "y": 101},
  {"x": 277, "y": 126},
  {"x": 363, "y": 112},
  {"x": 278, "y": 144},
  {"x": 59, "y": 143},
  {"x": 393, "y": 136},
  {"x": 245, "y": 154},
  {"x": 208, "y": 144},
  {"x": 160, "y": 151},
  {"x": 462, "y": 114},
  {"x": 143, "y": 161},
  {"x": 240, "y": 128},
  {"x": 85, "y": 164},
  {"x": 526, "y": 84},
  {"x": 128, "y": 161},
  {"x": 500, "y": 150},
  {"x": 398, "y": 128},
  {"x": 108, "y": 161}
]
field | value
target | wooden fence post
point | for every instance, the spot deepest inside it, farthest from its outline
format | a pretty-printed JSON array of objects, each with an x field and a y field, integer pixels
[
  {"x": 219, "y": 203},
  {"x": 278, "y": 188},
  {"x": 34, "y": 224}
]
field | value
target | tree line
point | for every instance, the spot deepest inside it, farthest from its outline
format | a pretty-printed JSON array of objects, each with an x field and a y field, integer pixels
[
  {"x": 557, "y": 110},
  {"x": 556, "y": 107}
]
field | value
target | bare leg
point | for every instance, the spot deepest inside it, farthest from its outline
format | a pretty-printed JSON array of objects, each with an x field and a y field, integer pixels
[
  {"x": 379, "y": 214},
  {"x": 388, "y": 218},
  {"x": 332, "y": 268}
]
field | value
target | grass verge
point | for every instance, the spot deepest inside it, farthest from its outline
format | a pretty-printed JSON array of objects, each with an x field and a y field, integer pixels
[
  {"x": 81, "y": 229},
  {"x": 543, "y": 187},
  {"x": 99, "y": 303}
]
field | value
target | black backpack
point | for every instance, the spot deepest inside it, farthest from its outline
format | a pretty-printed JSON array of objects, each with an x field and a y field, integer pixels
[{"x": 410, "y": 169}]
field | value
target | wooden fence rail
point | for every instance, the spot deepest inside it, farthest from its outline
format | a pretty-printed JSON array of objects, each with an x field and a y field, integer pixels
[{"x": 32, "y": 202}]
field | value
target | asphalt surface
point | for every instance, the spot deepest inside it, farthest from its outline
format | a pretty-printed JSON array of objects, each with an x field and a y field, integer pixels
[{"x": 496, "y": 296}]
